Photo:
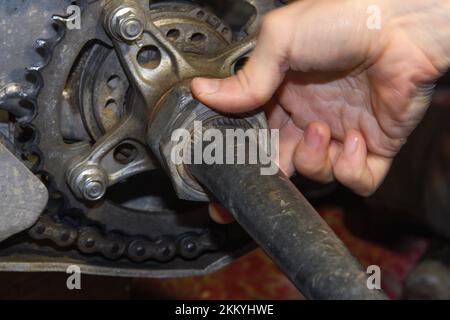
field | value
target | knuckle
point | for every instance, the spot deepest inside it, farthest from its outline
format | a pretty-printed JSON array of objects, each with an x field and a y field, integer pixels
[
  {"x": 271, "y": 19},
  {"x": 310, "y": 168},
  {"x": 270, "y": 23},
  {"x": 319, "y": 174},
  {"x": 314, "y": 169},
  {"x": 349, "y": 176},
  {"x": 255, "y": 95},
  {"x": 364, "y": 188},
  {"x": 356, "y": 180}
]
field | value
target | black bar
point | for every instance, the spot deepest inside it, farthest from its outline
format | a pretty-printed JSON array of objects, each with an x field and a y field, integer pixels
[{"x": 287, "y": 227}]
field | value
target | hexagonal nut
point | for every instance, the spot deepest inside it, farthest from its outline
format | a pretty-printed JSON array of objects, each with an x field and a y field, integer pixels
[
  {"x": 88, "y": 182},
  {"x": 129, "y": 27},
  {"x": 187, "y": 112},
  {"x": 179, "y": 110},
  {"x": 118, "y": 17},
  {"x": 185, "y": 186}
]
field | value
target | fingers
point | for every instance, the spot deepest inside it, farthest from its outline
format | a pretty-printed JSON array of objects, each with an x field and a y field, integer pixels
[
  {"x": 312, "y": 153},
  {"x": 260, "y": 77},
  {"x": 320, "y": 159},
  {"x": 355, "y": 169},
  {"x": 289, "y": 136},
  {"x": 219, "y": 214}
]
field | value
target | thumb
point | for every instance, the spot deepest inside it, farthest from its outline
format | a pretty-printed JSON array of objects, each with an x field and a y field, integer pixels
[{"x": 257, "y": 81}]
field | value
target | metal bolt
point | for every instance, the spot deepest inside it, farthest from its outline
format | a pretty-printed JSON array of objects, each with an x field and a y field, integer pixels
[
  {"x": 131, "y": 28},
  {"x": 88, "y": 182},
  {"x": 126, "y": 23},
  {"x": 93, "y": 190}
]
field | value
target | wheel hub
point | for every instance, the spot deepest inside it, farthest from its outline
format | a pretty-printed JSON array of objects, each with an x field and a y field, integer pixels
[{"x": 79, "y": 97}]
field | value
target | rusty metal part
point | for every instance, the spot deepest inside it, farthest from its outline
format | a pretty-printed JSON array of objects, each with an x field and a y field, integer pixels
[{"x": 22, "y": 195}]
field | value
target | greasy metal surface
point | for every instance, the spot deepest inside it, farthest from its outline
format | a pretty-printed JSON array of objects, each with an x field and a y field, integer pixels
[
  {"x": 22, "y": 196},
  {"x": 25, "y": 258},
  {"x": 43, "y": 89},
  {"x": 189, "y": 42},
  {"x": 138, "y": 248},
  {"x": 178, "y": 110}
]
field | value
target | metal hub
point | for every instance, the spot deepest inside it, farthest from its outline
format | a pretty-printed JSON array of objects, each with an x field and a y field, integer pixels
[{"x": 86, "y": 134}]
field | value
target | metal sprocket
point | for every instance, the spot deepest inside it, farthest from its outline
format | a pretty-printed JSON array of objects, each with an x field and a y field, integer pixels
[{"x": 182, "y": 229}]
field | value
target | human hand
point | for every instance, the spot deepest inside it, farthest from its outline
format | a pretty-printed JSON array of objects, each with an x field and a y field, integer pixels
[{"x": 344, "y": 97}]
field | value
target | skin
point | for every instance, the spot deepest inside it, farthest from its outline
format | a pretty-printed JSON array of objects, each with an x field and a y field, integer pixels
[{"x": 344, "y": 96}]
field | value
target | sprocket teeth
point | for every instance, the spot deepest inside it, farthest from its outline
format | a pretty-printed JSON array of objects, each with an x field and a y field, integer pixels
[
  {"x": 18, "y": 100},
  {"x": 23, "y": 97},
  {"x": 44, "y": 47},
  {"x": 60, "y": 29},
  {"x": 28, "y": 104},
  {"x": 34, "y": 77},
  {"x": 14, "y": 94}
]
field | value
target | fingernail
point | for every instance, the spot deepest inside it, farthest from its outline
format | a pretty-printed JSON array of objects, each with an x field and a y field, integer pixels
[
  {"x": 351, "y": 145},
  {"x": 208, "y": 86},
  {"x": 313, "y": 138}
]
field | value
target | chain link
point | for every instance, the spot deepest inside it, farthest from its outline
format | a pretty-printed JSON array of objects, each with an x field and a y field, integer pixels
[{"x": 114, "y": 245}]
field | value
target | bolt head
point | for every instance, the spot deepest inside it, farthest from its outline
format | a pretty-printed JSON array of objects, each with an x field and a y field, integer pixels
[
  {"x": 88, "y": 182},
  {"x": 93, "y": 190},
  {"x": 131, "y": 28},
  {"x": 126, "y": 23}
]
